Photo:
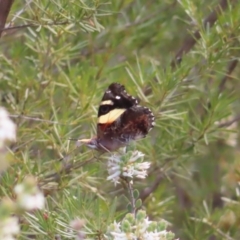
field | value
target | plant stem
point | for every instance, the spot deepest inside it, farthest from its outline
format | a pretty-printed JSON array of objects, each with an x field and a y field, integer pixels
[{"x": 131, "y": 196}]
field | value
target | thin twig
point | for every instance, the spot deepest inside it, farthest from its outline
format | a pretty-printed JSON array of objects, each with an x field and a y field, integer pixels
[
  {"x": 18, "y": 14},
  {"x": 230, "y": 122},
  {"x": 5, "y": 7},
  {"x": 131, "y": 196},
  {"x": 148, "y": 190},
  {"x": 210, "y": 224},
  {"x": 35, "y": 119},
  {"x": 232, "y": 65},
  {"x": 34, "y": 25}
]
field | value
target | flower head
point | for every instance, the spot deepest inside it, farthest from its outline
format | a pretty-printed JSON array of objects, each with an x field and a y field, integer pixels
[
  {"x": 138, "y": 228},
  {"x": 8, "y": 228},
  {"x": 29, "y": 197},
  {"x": 78, "y": 224},
  {"x": 129, "y": 165},
  {"x": 7, "y": 128}
]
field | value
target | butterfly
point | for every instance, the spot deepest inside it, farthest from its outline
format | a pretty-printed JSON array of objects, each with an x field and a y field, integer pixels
[{"x": 120, "y": 120}]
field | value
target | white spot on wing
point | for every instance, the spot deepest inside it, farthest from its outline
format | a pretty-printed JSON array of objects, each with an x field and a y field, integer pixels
[
  {"x": 118, "y": 97},
  {"x": 107, "y": 102}
]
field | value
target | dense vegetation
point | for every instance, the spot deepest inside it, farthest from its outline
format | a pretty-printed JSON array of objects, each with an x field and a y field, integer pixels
[{"x": 180, "y": 58}]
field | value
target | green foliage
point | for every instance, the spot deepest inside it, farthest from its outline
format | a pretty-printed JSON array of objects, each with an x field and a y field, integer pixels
[{"x": 53, "y": 74}]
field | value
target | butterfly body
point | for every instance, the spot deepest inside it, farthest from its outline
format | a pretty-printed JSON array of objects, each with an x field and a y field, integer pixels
[{"x": 120, "y": 120}]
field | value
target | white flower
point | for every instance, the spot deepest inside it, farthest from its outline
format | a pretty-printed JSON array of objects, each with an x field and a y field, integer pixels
[
  {"x": 127, "y": 165},
  {"x": 138, "y": 227},
  {"x": 32, "y": 202},
  {"x": 123, "y": 236},
  {"x": 7, "y": 127},
  {"x": 78, "y": 224},
  {"x": 8, "y": 228},
  {"x": 8, "y": 237},
  {"x": 155, "y": 235},
  {"x": 29, "y": 197}
]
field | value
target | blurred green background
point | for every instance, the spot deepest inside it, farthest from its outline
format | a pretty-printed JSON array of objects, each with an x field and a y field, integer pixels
[{"x": 57, "y": 58}]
